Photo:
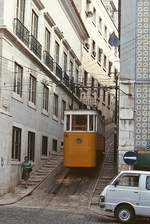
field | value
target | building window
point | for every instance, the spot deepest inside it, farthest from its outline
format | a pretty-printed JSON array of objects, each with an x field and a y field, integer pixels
[
  {"x": 65, "y": 62},
  {"x": 45, "y": 97},
  {"x": 104, "y": 95},
  {"x": 77, "y": 75},
  {"x": 71, "y": 69},
  {"x": 20, "y": 10},
  {"x": 16, "y": 143},
  {"x": 85, "y": 78},
  {"x": 109, "y": 100},
  {"x": 105, "y": 33},
  {"x": 54, "y": 146},
  {"x": 79, "y": 122},
  {"x": 57, "y": 49},
  {"x": 105, "y": 61},
  {"x": 34, "y": 25},
  {"x": 47, "y": 40},
  {"x": 32, "y": 89},
  {"x": 98, "y": 91},
  {"x": 100, "y": 51},
  {"x": 31, "y": 145},
  {"x": 94, "y": 16},
  {"x": 44, "y": 145},
  {"x": 100, "y": 25},
  {"x": 63, "y": 108},
  {"x": 109, "y": 68},
  {"x": 93, "y": 48},
  {"x": 18, "y": 79},
  {"x": 55, "y": 105},
  {"x": 92, "y": 84}
]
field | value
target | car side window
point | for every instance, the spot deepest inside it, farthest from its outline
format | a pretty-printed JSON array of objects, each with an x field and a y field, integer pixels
[
  {"x": 148, "y": 182},
  {"x": 128, "y": 180}
]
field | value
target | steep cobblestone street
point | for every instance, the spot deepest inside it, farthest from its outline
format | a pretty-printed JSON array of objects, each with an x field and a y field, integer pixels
[{"x": 44, "y": 216}]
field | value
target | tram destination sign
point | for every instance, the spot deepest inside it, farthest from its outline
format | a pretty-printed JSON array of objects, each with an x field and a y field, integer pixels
[{"x": 130, "y": 157}]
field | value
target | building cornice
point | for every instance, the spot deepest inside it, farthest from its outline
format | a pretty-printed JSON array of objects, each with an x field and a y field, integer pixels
[
  {"x": 67, "y": 45},
  {"x": 39, "y": 4},
  {"x": 74, "y": 15},
  {"x": 49, "y": 19},
  {"x": 58, "y": 32}
]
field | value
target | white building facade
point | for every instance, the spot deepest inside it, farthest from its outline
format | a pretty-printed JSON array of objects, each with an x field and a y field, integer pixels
[
  {"x": 100, "y": 60},
  {"x": 134, "y": 129},
  {"x": 40, "y": 57}
]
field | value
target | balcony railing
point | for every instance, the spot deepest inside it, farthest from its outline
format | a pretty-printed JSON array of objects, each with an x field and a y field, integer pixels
[
  {"x": 48, "y": 60},
  {"x": 58, "y": 71},
  {"x": 66, "y": 79},
  {"x": 21, "y": 31},
  {"x": 35, "y": 46}
]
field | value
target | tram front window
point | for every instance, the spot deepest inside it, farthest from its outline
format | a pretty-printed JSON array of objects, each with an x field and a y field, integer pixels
[
  {"x": 68, "y": 123},
  {"x": 79, "y": 122},
  {"x": 91, "y": 123}
]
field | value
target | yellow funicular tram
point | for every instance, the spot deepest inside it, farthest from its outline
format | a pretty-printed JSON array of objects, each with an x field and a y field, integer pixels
[{"x": 84, "y": 138}]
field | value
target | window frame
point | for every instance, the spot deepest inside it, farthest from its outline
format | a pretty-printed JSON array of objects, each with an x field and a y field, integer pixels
[
  {"x": 105, "y": 62},
  {"x": 45, "y": 97},
  {"x": 34, "y": 24},
  {"x": 53, "y": 145},
  {"x": 63, "y": 108},
  {"x": 20, "y": 10},
  {"x": 85, "y": 81},
  {"x": 16, "y": 134},
  {"x": 32, "y": 89},
  {"x": 65, "y": 61},
  {"x": 31, "y": 145},
  {"x": 57, "y": 52},
  {"x": 44, "y": 146},
  {"x": 18, "y": 78},
  {"x": 100, "y": 25},
  {"x": 94, "y": 16},
  {"x": 47, "y": 40},
  {"x": 55, "y": 105}
]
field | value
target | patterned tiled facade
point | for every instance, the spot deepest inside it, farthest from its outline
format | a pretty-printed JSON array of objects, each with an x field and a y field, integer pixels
[{"x": 142, "y": 87}]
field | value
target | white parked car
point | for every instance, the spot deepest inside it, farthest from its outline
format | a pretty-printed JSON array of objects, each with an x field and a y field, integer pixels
[{"x": 127, "y": 196}]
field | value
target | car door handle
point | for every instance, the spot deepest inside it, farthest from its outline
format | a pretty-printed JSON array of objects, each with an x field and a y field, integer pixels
[
  {"x": 136, "y": 192},
  {"x": 111, "y": 190}
]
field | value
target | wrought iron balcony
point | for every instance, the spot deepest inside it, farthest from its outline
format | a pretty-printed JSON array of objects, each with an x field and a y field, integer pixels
[
  {"x": 35, "y": 46},
  {"x": 58, "y": 71},
  {"x": 21, "y": 31},
  {"x": 48, "y": 60},
  {"x": 66, "y": 79}
]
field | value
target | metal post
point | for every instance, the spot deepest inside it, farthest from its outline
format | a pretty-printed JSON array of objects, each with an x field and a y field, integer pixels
[{"x": 116, "y": 120}]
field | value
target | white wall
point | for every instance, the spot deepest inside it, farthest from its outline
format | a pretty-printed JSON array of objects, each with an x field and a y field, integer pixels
[{"x": 15, "y": 111}]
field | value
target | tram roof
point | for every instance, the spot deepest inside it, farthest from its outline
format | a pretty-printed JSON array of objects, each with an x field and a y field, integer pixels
[{"x": 81, "y": 112}]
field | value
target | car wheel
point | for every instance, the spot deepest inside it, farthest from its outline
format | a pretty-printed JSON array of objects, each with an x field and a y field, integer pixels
[{"x": 124, "y": 214}]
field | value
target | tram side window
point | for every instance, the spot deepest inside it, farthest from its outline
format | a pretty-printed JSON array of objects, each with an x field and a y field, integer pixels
[
  {"x": 79, "y": 122},
  {"x": 91, "y": 128},
  {"x": 68, "y": 123}
]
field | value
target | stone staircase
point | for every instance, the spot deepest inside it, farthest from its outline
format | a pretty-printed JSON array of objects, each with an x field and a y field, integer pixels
[
  {"x": 39, "y": 175},
  {"x": 50, "y": 168}
]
